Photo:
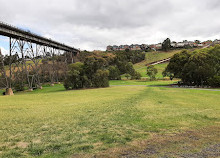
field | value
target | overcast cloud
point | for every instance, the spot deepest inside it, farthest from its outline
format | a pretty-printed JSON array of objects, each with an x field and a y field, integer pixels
[{"x": 94, "y": 24}]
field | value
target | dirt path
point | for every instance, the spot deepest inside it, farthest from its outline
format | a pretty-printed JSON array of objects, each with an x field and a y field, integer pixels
[{"x": 202, "y": 143}]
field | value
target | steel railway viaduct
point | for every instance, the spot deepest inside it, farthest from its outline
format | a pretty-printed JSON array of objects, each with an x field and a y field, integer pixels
[
  {"x": 25, "y": 44},
  {"x": 19, "y": 34}
]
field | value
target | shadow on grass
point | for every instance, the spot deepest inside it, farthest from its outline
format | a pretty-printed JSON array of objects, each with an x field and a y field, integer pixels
[{"x": 46, "y": 89}]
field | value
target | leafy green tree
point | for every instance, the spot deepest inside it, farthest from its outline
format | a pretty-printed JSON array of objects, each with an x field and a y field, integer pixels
[
  {"x": 130, "y": 69},
  {"x": 176, "y": 65},
  {"x": 114, "y": 73},
  {"x": 197, "y": 41},
  {"x": 214, "y": 82},
  {"x": 197, "y": 68},
  {"x": 75, "y": 78},
  {"x": 100, "y": 79},
  {"x": 127, "y": 76},
  {"x": 136, "y": 76},
  {"x": 152, "y": 72},
  {"x": 166, "y": 45},
  {"x": 92, "y": 64}
]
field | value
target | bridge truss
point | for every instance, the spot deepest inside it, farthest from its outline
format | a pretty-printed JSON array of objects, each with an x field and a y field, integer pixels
[{"x": 33, "y": 59}]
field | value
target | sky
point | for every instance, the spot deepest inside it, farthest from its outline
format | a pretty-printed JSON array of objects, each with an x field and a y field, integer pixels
[{"x": 94, "y": 24}]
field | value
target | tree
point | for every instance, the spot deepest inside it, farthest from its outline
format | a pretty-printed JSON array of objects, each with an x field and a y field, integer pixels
[
  {"x": 100, "y": 79},
  {"x": 127, "y": 76},
  {"x": 197, "y": 41},
  {"x": 197, "y": 68},
  {"x": 86, "y": 75},
  {"x": 151, "y": 72},
  {"x": 75, "y": 76},
  {"x": 136, "y": 76},
  {"x": 214, "y": 82},
  {"x": 166, "y": 45},
  {"x": 114, "y": 73},
  {"x": 176, "y": 64}
]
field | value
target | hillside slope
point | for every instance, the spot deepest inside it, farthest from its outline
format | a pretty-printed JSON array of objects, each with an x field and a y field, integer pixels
[{"x": 152, "y": 57}]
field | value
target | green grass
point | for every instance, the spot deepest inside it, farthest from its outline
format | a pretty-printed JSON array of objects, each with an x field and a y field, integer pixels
[
  {"x": 152, "y": 57},
  {"x": 160, "y": 68},
  {"x": 147, "y": 83},
  {"x": 57, "y": 123},
  {"x": 155, "y": 56}
]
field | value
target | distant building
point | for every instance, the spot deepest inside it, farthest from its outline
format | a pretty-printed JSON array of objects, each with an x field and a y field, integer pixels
[
  {"x": 200, "y": 45},
  {"x": 152, "y": 46},
  {"x": 158, "y": 46},
  {"x": 180, "y": 45},
  {"x": 121, "y": 47},
  {"x": 206, "y": 43},
  {"x": 216, "y": 41},
  {"x": 126, "y": 46},
  {"x": 173, "y": 45},
  {"x": 115, "y": 48},
  {"x": 155, "y": 47},
  {"x": 109, "y": 48}
]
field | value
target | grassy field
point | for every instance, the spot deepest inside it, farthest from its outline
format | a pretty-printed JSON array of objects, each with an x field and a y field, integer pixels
[
  {"x": 139, "y": 82},
  {"x": 56, "y": 123}
]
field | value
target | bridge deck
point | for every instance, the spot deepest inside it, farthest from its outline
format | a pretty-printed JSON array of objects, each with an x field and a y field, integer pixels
[{"x": 14, "y": 32}]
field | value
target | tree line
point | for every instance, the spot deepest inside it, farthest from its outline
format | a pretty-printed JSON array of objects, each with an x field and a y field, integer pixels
[
  {"x": 96, "y": 69},
  {"x": 196, "y": 68}
]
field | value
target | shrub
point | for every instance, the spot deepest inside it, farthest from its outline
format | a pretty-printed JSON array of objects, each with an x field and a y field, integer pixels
[
  {"x": 136, "y": 76},
  {"x": 19, "y": 87},
  {"x": 151, "y": 72},
  {"x": 197, "y": 68},
  {"x": 114, "y": 73},
  {"x": 214, "y": 82},
  {"x": 77, "y": 76},
  {"x": 101, "y": 78},
  {"x": 127, "y": 76}
]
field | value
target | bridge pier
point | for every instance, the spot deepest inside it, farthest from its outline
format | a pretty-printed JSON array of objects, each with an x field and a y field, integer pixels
[{"x": 27, "y": 52}]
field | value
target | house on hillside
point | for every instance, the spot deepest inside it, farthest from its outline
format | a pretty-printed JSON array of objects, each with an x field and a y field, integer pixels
[
  {"x": 109, "y": 48},
  {"x": 126, "y": 46},
  {"x": 216, "y": 41},
  {"x": 180, "y": 45},
  {"x": 144, "y": 47},
  {"x": 152, "y": 46},
  {"x": 115, "y": 48},
  {"x": 200, "y": 45},
  {"x": 121, "y": 47},
  {"x": 206, "y": 43},
  {"x": 135, "y": 47},
  {"x": 173, "y": 45},
  {"x": 158, "y": 46}
]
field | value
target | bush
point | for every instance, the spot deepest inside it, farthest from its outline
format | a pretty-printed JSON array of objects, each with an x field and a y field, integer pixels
[
  {"x": 114, "y": 73},
  {"x": 101, "y": 79},
  {"x": 151, "y": 72},
  {"x": 127, "y": 76},
  {"x": 136, "y": 76},
  {"x": 214, "y": 82},
  {"x": 77, "y": 76},
  {"x": 19, "y": 87},
  {"x": 197, "y": 68}
]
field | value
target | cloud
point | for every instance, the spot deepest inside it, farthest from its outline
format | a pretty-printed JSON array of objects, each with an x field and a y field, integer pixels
[
  {"x": 94, "y": 24},
  {"x": 4, "y": 51}
]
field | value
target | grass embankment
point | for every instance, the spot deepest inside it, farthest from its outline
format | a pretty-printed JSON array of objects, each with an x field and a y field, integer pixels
[
  {"x": 57, "y": 123},
  {"x": 160, "y": 68},
  {"x": 152, "y": 57}
]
